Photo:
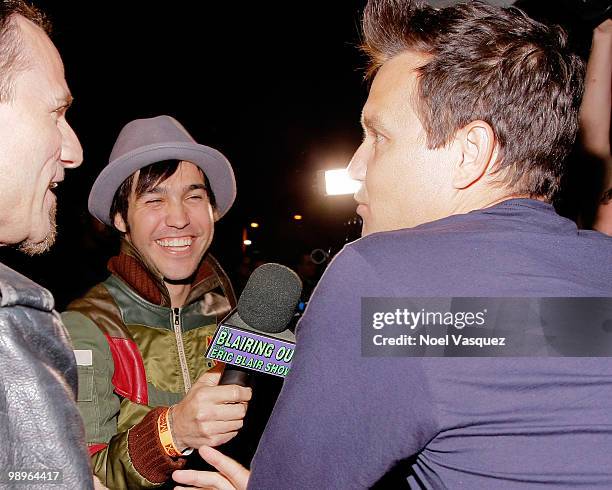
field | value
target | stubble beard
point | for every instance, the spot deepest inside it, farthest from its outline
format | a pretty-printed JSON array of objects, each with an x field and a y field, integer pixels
[{"x": 36, "y": 248}]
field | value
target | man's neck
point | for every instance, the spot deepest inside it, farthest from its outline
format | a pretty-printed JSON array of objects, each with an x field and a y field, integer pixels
[
  {"x": 178, "y": 294},
  {"x": 484, "y": 201}
]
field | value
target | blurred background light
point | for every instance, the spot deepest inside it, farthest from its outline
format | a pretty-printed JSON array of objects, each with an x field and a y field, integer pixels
[{"x": 338, "y": 182}]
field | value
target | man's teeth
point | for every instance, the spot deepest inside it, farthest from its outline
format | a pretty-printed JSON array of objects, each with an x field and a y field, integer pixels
[
  {"x": 174, "y": 242},
  {"x": 53, "y": 185}
]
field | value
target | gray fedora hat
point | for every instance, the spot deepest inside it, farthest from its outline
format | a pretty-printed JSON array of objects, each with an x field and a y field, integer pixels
[{"x": 145, "y": 141}]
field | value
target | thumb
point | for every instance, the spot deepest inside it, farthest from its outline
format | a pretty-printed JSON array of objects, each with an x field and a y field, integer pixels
[
  {"x": 231, "y": 469},
  {"x": 212, "y": 376}
]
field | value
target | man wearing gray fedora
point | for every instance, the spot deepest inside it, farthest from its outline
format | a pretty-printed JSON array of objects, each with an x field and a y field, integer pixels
[{"x": 146, "y": 392}]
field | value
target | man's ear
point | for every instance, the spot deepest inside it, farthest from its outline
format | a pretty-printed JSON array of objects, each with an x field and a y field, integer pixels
[
  {"x": 479, "y": 150},
  {"x": 119, "y": 223}
]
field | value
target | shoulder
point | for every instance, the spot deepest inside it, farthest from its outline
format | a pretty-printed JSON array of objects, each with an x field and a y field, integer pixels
[
  {"x": 370, "y": 266},
  {"x": 97, "y": 294},
  {"x": 87, "y": 319},
  {"x": 97, "y": 308},
  {"x": 27, "y": 315},
  {"x": 350, "y": 276},
  {"x": 374, "y": 259},
  {"x": 354, "y": 265},
  {"x": 18, "y": 290}
]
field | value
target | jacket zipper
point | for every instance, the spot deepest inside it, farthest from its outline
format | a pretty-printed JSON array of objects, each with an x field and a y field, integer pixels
[{"x": 178, "y": 332}]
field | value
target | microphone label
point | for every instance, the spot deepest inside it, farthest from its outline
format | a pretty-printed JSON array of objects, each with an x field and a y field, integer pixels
[{"x": 250, "y": 350}]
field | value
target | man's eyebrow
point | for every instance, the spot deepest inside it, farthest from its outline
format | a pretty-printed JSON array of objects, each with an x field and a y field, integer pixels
[
  {"x": 195, "y": 187},
  {"x": 373, "y": 122},
  {"x": 162, "y": 189},
  {"x": 65, "y": 102},
  {"x": 158, "y": 189}
]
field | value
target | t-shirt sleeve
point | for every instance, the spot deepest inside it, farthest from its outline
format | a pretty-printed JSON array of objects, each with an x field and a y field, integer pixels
[{"x": 342, "y": 420}]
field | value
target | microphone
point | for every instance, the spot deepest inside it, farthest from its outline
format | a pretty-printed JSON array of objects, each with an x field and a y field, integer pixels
[{"x": 254, "y": 336}]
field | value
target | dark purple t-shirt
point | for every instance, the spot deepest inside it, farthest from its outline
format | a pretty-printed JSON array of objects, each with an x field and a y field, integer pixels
[{"x": 342, "y": 420}]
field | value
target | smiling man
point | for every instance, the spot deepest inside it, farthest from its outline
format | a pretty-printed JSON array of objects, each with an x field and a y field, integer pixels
[{"x": 146, "y": 391}]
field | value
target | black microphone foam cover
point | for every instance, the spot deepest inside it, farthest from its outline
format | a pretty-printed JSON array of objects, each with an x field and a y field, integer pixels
[{"x": 269, "y": 298}]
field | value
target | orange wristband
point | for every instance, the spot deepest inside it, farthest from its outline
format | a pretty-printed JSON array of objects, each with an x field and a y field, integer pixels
[{"x": 165, "y": 436}]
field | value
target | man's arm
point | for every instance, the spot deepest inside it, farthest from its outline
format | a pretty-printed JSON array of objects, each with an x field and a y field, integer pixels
[
  {"x": 597, "y": 100},
  {"x": 342, "y": 420},
  {"x": 131, "y": 455},
  {"x": 99, "y": 406},
  {"x": 595, "y": 113}
]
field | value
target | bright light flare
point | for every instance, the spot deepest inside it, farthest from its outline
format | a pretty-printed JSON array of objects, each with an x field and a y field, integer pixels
[
  {"x": 338, "y": 182},
  {"x": 247, "y": 242}
]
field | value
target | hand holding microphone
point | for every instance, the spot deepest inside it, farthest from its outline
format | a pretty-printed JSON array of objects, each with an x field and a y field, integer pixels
[
  {"x": 213, "y": 410},
  {"x": 257, "y": 329},
  {"x": 209, "y": 415}
]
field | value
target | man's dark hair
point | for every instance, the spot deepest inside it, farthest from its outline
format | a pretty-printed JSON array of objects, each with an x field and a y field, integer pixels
[
  {"x": 13, "y": 59},
  {"x": 148, "y": 178},
  {"x": 491, "y": 64}
]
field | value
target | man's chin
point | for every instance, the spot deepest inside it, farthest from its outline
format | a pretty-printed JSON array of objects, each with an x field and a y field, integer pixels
[
  {"x": 37, "y": 247},
  {"x": 184, "y": 278}
]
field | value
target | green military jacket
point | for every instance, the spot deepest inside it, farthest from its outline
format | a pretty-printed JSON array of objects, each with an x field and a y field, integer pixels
[{"x": 134, "y": 355}]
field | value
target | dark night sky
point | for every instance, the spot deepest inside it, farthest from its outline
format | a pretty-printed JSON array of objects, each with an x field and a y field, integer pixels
[{"x": 278, "y": 88}]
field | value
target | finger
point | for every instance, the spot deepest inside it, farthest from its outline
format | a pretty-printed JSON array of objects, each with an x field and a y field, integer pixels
[
  {"x": 216, "y": 427},
  {"x": 221, "y": 439},
  {"x": 202, "y": 479},
  {"x": 212, "y": 376},
  {"x": 230, "y": 411},
  {"x": 237, "y": 474},
  {"x": 177, "y": 487},
  {"x": 224, "y": 394},
  {"x": 198, "y": 488},
  {"x": 195, "y": 488}
]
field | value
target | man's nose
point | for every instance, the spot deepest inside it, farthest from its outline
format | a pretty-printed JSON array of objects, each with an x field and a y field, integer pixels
[
  {"x": 177, "y": 216},
  {"x": 357, "y": 166},
  {"x": 72, "y": 152}
]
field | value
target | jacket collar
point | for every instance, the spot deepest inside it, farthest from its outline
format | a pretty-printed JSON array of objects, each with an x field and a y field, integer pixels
[{"x": 148, "y": 282}]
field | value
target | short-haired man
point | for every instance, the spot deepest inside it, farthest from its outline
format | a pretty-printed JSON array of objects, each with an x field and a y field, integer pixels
[
  {"x": 42, "y": 433},
  {"x": 470, "y": 116},
  {"x": 146, "y": 392}
]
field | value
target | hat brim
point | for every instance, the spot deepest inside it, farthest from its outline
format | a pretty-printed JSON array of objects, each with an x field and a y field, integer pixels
[{"x": 212, "y": 162}]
